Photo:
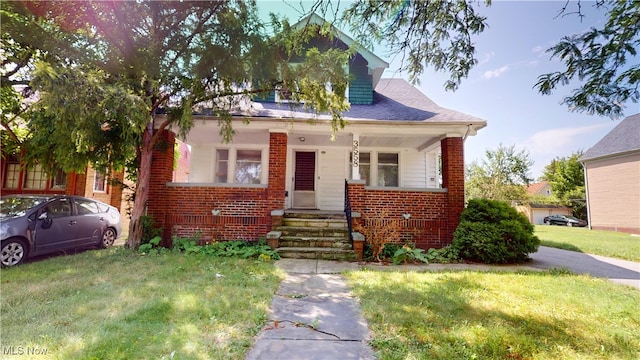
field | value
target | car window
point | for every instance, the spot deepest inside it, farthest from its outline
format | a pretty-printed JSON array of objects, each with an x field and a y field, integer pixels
[
  {"x": 87, "y": 207},
  {"x": 59, "y": 208},
  {"x": 18, "y": 206}
]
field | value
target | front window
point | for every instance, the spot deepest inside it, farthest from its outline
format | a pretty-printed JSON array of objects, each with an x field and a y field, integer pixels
[
  {"x": 100, "y": 182},
  {"x": 248, "y": 166},
  {"x": 59, "y": 181},
  {"x": 222, "y": 165},
  {"x": 388, "y": 169},
  {"x": 12, "y": 177},
  {"x": 35, "y": 178}
]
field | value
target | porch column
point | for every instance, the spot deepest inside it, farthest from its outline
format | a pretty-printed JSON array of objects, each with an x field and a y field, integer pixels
[
  {"x": 355, "y": 163},
  {"x": 276, "y": 185},
  {"x": 453, "y": 181}
]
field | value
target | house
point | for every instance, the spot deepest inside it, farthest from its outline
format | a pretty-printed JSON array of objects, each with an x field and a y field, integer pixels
[
  {"x": 536, "y": 211},
  {"x": 612, "y": 179},
  {"x": 400, "y": 156},
  {"x": 542, "y": 188}
]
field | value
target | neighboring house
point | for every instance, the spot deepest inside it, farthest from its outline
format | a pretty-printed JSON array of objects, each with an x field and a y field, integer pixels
[
  {"x": 400, "y": 156},
  {"x": 542, "y": 188},
  {"x": 536, "y": 212},
  {"x": 612, "y": 179}
]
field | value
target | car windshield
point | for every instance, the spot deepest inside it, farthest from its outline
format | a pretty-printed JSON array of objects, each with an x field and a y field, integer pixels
[{"x": 18, "y": 206}]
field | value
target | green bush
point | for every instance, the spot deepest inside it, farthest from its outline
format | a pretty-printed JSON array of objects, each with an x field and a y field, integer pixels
[{"x": 493, "y": 232}]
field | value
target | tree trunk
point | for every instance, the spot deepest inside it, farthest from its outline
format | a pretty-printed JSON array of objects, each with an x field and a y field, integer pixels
[{"x": 142, "y": 189}]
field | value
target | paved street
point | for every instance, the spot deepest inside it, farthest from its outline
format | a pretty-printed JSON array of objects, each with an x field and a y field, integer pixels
[{"x": 620, "y": 271}]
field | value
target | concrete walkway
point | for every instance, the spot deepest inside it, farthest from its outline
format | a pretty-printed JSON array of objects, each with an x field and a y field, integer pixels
[{"x": 313, "y": 316}]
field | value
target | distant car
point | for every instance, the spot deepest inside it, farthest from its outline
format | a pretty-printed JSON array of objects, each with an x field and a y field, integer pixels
[
  {"x": 564, "y": 220},
  {"x": 34, "y": 225}
]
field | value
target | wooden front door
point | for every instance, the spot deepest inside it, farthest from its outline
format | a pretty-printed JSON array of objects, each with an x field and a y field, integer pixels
[{"x": 304, "y": 181}]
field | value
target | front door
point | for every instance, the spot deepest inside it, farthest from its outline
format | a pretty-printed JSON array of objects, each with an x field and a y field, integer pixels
[{"x": 304, "y": 181}]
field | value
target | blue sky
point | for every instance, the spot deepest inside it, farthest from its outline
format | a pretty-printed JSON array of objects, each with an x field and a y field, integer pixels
[{"x": 511, "y": 55}]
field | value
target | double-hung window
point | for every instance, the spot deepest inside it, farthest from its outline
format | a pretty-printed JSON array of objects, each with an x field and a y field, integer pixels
[
  {"x": 388, "y": 169},
  {"x": 238, "y": 166},
  {"x": 35, "y": 178},
  {"x": 100, "y": 182}
]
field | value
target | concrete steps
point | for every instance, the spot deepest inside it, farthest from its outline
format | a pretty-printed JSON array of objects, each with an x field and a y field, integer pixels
[{"x": 315, "y": 235}]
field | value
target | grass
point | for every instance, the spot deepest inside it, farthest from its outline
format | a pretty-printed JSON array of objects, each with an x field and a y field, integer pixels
[
  {"x": 117, "y": 304},
  {"x": 605, "y": 243},
  {"x": 476, "y": 315}
]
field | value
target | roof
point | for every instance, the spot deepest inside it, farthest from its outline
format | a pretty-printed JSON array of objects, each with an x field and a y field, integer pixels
[
  {"x": 624, "y": 138},
  {"x": 393, "y": 100},
  {"x": 535, "y": 188}
]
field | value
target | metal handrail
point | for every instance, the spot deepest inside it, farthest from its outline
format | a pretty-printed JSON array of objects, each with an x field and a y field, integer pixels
[{"x": 347, "y": 209}]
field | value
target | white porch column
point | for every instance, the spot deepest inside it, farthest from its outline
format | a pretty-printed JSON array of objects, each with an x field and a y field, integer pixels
[{"x": 355, "y": 163}]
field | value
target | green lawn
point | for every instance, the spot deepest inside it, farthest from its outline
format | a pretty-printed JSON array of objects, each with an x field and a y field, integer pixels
[
  {"x": 117, "y": 304},
  {"x": 597, "y": 242},
  {"x": 476, "y": 315}
]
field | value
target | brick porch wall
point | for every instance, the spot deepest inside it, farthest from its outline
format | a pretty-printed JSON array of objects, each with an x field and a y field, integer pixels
[
  {"x": 434, "y": 214},
  {"x": 215, "y": 212}
]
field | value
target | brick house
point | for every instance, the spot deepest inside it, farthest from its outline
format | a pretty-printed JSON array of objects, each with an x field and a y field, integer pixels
[
  {"x": 612, "y": 179},
  {"x": 401, "y": 155}
]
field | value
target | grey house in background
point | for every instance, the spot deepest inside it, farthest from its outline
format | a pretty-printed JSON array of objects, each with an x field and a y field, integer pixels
[{"x": 612, "y": 179}]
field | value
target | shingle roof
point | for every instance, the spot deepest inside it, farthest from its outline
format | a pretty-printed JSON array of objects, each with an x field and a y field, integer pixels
[
  {"x": 393, "y": 100},
  {"x": 623, "y": 138},
  {"x": 534, "y": 188}
]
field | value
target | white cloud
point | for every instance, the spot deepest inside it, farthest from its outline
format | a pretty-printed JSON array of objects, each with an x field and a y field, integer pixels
[
  {"x": 557, "y": 142},
  {"x": 495, "y": 73}
]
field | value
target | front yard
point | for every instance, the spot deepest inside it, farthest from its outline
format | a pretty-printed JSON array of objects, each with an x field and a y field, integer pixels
[{"x": 118, "y": 304}]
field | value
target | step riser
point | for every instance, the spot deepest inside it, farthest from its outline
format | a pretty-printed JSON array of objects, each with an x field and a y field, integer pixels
[
  {"x": 315, "y": 243},
  {"x": 333, "y": 224},
  {"x": 311, "y": 233},
  {"x": 318, "y": 255}
]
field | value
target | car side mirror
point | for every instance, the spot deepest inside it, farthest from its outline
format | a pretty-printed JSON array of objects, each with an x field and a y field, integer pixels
[{"x": 46, "y": 220}]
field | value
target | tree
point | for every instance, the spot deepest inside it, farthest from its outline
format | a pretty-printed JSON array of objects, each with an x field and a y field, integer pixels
[
  {"x": 112, "y": 68},
  {"x": 566, "y": 177},
  {"x": 602, "y": 60},
  {"x": 502, "y": 175},
  {"x": 431, "y": 33}
]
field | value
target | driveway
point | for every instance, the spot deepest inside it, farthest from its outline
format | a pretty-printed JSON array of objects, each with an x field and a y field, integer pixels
[{"x": 619, "y": 271}]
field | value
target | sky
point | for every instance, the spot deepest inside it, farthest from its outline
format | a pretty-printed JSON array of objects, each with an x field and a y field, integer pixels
[{"x": 500, "y": 88}]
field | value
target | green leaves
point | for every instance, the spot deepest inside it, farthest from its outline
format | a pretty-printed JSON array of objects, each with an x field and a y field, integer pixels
[
  {"x": 428, "y": 33},
  {"x": 602, "y": 60}
]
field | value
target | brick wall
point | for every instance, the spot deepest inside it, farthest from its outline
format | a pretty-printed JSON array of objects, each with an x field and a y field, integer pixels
[
  {"x": 215, "y": 212},
  {"x": 434, "y": 214},
  {"x": 453, "y": 180}
]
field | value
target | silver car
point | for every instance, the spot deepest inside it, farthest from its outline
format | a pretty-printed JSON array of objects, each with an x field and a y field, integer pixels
[{"x": 32, "y": 225}]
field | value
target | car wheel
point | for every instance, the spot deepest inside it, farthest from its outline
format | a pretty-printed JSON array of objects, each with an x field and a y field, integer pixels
[
  {"x": 108, "y": 238},
  {"x": 13, "y": 253}
]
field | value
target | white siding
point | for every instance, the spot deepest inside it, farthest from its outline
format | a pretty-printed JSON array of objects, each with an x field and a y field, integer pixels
[
  {"x": 413, "y": 169},
  {"x": 332, "y": 173}
]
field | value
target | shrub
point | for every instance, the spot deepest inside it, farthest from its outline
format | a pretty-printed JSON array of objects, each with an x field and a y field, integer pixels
[
  {"x": 493, "y": 232},
  {"x": 378, "y": 231}
]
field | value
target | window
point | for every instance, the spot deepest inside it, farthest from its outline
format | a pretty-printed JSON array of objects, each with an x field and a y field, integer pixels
[
  {"x": 59, "y": 208},
  {"x": 364, "y": 167},
  {"x": 248, "y": 166},
  {"x": 12, "y": 177},
  {"x": 59, "y": 180},
  {"x": 35, "y": 178},
  {"x": 387, "y": 169},
  {"x": 86, "y": 207},
  {"x": 222, "y": 165},
  {"x": 100, "y": 182}
]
